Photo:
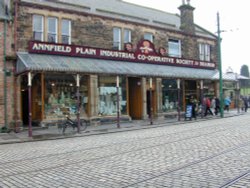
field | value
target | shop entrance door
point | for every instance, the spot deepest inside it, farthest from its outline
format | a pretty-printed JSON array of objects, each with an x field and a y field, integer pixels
[
  {"x": 135, "y": 98},
  {"x": 25, "y": 107},
  {"x": 149, "y": 103}
]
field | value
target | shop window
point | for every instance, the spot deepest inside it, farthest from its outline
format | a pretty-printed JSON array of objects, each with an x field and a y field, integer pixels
[
  {"x": 66, "y": 31},
  {"x": 148, "y": 36},
  {"x": 38, "y": 27},
  {"x": 174, "y": 48},
  {"x": 52, "y": 29},
  {"x": 116, "y": 38},
  {"x": 61, "y": 96},
  {"x": 169, "y": 95},
  {"x": 204, "y": 51},
  {"x": 108, "y": 96}
]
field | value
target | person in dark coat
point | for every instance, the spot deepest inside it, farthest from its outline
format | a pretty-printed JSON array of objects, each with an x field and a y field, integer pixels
[{"x": 217, "y": 105}]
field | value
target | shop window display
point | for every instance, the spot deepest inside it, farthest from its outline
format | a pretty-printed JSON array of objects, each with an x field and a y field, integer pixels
[
  {"x": 169, "y": 95},
  {"x": 108, "y": 96},
  {"x": 61, "y": 96}
]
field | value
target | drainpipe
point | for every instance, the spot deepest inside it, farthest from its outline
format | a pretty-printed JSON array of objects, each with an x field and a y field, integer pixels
[{"x": 5, "y": 78}]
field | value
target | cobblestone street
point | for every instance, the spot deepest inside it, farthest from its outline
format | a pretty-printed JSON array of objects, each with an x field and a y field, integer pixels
[{"x": 213, "y": 153}]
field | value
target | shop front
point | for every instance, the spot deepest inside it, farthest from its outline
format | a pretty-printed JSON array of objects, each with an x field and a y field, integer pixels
[{"x": 99, "y": 83}]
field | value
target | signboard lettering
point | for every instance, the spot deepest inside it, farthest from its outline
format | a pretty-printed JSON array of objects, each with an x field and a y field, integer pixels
[{"x": 144, "y": 53}]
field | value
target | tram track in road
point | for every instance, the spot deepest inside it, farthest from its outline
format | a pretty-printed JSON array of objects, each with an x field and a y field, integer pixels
[
  {"x": 78, "y": 160},
  {"x": 197, "y": 132},
  {"x": 227, "y": 184},
  {"x": 235, "y": 180}
]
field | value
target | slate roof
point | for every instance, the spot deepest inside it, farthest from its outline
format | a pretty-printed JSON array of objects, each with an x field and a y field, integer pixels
[
  {"x": 54, "y": 63},
  {"x": 125, "y": 11}
]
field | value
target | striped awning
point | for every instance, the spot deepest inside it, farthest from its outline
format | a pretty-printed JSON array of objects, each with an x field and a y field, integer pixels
[{"x": 53, "y": 63}]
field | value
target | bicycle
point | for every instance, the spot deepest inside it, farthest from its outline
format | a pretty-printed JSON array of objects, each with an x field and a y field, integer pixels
[{"x": 72, "y": 123}]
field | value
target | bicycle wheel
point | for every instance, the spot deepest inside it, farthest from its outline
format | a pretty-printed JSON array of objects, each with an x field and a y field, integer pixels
[
  {"x": 64, "y": 127},
  {"x": 83, "y": 125}
]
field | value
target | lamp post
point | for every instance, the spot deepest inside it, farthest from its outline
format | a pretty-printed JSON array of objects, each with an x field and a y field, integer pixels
[
  {"x": 220, "y": 65},
  {"x": 237, "y": 93}
]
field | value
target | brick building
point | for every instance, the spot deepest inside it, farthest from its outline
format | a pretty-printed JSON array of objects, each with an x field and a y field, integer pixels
[{"x": 73, "y": 54}]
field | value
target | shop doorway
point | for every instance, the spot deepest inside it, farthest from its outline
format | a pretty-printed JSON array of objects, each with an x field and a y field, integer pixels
[
  {"x": 25, "y": 107},
  {"x": 149, "y": 103},
  {"x": 135, "y": 98}
]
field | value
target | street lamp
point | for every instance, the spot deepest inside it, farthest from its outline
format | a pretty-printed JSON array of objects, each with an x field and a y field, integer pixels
[{"x": 220, "y": 65}]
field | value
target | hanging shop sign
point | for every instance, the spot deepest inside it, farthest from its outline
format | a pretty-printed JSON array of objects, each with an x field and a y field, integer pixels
[{"x": 144, "y": 53}]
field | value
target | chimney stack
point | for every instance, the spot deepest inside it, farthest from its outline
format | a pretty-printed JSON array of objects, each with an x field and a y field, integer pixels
[{"x": 187, "y": 17}]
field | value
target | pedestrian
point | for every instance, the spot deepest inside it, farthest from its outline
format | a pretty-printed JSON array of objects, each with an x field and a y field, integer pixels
[
  {"x": 227, "y": 103},
  {"x": 208, "y": 105},
  {"x": 217, "y": 105},
  {"x": 193, "y": 103},
  {"x": 241, "y": 103},
  {"x": 245, "y": 103},
  {"x": 213, "y": 104}
]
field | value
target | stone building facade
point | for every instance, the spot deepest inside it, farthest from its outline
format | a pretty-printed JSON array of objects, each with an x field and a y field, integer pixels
[{"x": 45, "y": 30}]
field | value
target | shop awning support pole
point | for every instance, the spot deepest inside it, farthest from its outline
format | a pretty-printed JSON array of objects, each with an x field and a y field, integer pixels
[
  {"x": 78, "y": 101},
  {"x": 220, "y": 67},
  {"x": 118, "y": 101},
  {"x": 201, "y": 99},
  {"x": 150, "y": 98},
  {"x": 237, "y": 93},
  {"x": 179, "y": 99},
  {"x": 30, "y": 103}
]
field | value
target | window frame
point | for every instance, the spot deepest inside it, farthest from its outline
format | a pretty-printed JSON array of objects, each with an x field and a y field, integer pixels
[
  {"x": 149, "y": 36},
  {"x": 66, "y": 34},
  {"x": 117, "y": 44},
  {"x": 177, "y": 43},
  {"x": 204, "y": 52},
  {"x": 35, "y": 30},
  {"x": 53, "y": 33},
  {"x": 127, "y": 33}
]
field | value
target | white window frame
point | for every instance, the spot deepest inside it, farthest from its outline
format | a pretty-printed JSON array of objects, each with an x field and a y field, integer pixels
[
  {"x": 38, "y": 30},
  {"x": 117, "y": 38},
  {"x": 66, "y": 34},
  {"x": 127, "y": 35},
  {"x": 174, "y": 48},
  {"x": 148, "y": 36},
  {"x": 204, "y": 52},
  {"x": 52, "y": 32}
]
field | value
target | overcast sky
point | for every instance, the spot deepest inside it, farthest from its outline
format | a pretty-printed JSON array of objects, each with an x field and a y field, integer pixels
[{"x": 234, "y": 20}]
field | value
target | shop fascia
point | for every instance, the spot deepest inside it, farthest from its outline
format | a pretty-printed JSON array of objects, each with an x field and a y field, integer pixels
[{"x": 144, "y": 53}]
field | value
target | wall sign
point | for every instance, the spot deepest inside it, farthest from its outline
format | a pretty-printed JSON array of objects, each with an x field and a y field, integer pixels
[{"x": 143, "y": 53}]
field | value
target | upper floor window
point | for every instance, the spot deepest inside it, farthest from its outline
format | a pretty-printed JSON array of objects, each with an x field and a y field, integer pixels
[
  {"x": 66, "y": 31},
  {"x": 52, "y": 29},
  {"x": 117, "y": 38},
  {"x": 38, "y": 27},
  {"x": 148, "y": 36},
  {"x": 127, "y": 36},
  {"x": 174, "y": 48},
  {"x": 204, "y": 52}
]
